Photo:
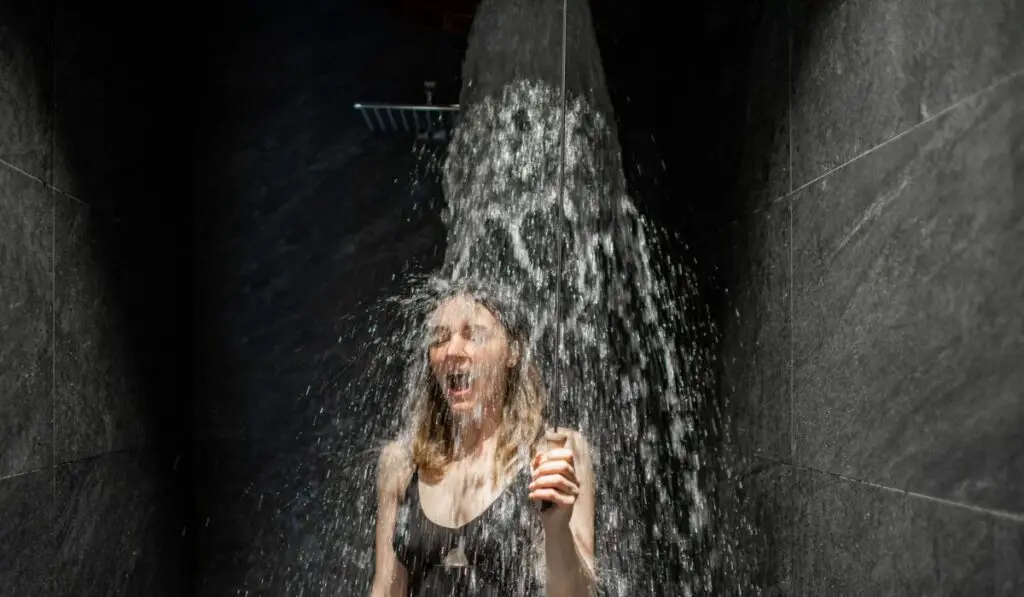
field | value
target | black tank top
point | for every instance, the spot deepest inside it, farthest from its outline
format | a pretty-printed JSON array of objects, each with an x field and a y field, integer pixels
[{"x": 490, "y": 556}]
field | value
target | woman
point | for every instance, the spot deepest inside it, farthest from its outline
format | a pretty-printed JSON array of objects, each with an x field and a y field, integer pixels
[{"x": 475, "y": 493}]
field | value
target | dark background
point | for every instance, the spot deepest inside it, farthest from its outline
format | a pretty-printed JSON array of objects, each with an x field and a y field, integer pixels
[{"x": 191, "y": 215}]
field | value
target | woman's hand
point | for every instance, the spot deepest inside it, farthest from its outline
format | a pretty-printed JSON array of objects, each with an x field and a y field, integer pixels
[{"x": 554, "y": 479}]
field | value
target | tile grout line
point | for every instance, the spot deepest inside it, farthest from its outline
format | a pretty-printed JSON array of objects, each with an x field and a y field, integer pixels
[
  {"x": 1014, "y": 516},
  {"x": 24, "y": 473},
  {"x": 137, "y": 449},
  {"x": 53, "y": 334},
  {"x": 53, "y": 294},
  {"x": 23, "y": 172},
  {"x": 53, "y": 376},
  {"x": 789, "y": 126},
  {"x": 792, "y": 342},
  {"x": 53, "y": 96},
  {"x": 48, "y": 185},
  {"x": 789, "y": 88},
  {"x": 1003, "y": 514},
  {"x": 937, "y": 115},
  {"x": 129, "y": 450},
  {"x": 791, "y": 545}
]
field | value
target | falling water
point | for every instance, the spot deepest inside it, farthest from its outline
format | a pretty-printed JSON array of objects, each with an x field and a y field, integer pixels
[
  {"x": 610, "y": 335},
  {"x": 616, "y": 325},
  {"x": 606, "y": 323}
]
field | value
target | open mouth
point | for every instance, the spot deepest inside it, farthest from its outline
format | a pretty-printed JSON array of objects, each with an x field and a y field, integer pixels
[{"x": 458, "y": 382}]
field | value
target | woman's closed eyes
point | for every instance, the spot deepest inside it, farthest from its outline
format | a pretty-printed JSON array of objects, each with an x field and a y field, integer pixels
[{"x": 470, "y": 333}]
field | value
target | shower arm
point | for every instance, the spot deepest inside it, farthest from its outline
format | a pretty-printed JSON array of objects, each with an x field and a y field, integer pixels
[{"x": 429, "y": 122}]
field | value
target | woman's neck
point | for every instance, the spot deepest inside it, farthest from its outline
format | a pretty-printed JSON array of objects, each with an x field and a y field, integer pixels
[{"x": 476, "y": 438}]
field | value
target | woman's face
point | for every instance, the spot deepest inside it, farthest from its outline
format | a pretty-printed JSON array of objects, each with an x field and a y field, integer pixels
[{"x": 469, "y": 356}]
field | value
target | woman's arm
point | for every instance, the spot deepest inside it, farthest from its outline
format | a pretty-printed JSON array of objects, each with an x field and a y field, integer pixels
[
  {"x": 389, "y": 577},
  {"x": 569, "y": 544}
]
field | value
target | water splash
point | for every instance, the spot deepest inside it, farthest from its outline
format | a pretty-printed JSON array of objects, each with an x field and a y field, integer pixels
[{"x": 627, "y": 383}]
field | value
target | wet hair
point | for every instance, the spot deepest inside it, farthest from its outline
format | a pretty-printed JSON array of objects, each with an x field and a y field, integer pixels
[{"x": 432, "y": 433}]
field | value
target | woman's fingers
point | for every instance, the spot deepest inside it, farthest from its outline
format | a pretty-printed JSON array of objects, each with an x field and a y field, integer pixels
[
  {"x": 556, "y": 437},
  {"x": 556, "y": 454},
  {"x": 553, "y": 495},
  {"x": 554, "y": 476},
  {"x": 556, "y": 482},
  {"x": 556, "y": 467}
]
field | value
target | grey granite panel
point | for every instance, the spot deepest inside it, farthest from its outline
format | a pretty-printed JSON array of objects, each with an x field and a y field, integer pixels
[
  {"x": 756, "y": 331},
  {"x": 26, "y": 85},
  {"x": 115, "y": 531},
  {"x": 1009, "y": 558},
  {"x": 97, "y": 407},
  {"x": 952, "y": 550},
  {"x": 908, "y": 282},
  {"x": 851, "y": 538},
  {"x": 858, "y": 539},
  {"x": 26, "y": 323},
  {"x": 867, "y": 70},
  {"x": 26, "y": 537}
]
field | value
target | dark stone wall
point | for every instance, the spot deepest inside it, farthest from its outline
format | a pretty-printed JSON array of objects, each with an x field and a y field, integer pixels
[
  {"x": 95, "y": 280},
  {"x": 871, "y": 332}
]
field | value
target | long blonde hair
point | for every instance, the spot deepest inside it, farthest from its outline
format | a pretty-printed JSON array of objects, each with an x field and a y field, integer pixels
[{"x": 432, "y": 433}]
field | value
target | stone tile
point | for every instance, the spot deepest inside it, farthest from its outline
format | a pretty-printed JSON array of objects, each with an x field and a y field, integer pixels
[
  {"x": 97, "y": 407},
  {"x": 117, "y": 532},
  {"x": 756, "y": 331},
  {"x": 26, "y": 323},
  {"x": 26, "y": 86},
  {"x": 867, "y": 70},
  {"x": 858, "y": 539},
  {"x": 26, "y": 536},
  {"x": 952, "y": 550},
  {"x": 907, "y": 327},
  {"x": 1009, "y": 558},
  {"x": 764, "y": 161},
  {"x": 851, "y": 538}
]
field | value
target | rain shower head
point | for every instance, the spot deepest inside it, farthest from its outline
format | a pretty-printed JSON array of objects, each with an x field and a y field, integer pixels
[{"x": 428, "y": 121}]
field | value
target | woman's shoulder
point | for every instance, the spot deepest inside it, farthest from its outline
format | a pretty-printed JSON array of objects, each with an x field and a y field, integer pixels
[
  {"x": 393, "y": 453},
  {"x": 394, "y": 465}
]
